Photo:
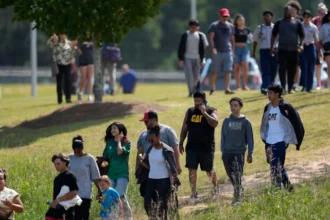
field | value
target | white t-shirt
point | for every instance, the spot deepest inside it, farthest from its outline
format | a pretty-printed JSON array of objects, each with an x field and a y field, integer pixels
[
  {"x": 9, "y": 194},
  {"x": 276, "y": 132},
  {"x": 157, "y": 162},
  {"x": 192, "y": 45}
]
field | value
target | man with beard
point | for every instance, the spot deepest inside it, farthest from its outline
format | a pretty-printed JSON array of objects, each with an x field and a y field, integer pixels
[{"x": 199, "y": 124}]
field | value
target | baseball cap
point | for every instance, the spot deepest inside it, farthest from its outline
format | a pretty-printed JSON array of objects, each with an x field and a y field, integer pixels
[
  {"x": 224, "y": 12},
  {"x": 150, "y": 114}
]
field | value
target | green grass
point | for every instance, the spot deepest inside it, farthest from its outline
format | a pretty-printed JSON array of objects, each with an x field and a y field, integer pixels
[{"x": 26, "y": 153}]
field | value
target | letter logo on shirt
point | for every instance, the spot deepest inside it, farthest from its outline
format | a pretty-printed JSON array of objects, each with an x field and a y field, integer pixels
[
  {"x": 272, "y": 117},
  {"x": 196, "y": 118},
  {"x": 235, "y": 125}
]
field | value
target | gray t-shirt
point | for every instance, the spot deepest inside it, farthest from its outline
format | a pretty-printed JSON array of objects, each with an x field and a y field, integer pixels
[
  {"x": 192, "y": 45},
  {"x": 325, "y": 33},
  {"x": 167, "y": 135},
  {"x": 222, "y": 36},
  {"x": 86, "y": 170},
  {"x": 289, "y": 32}
]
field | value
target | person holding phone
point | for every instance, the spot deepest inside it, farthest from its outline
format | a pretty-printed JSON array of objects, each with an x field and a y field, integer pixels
[
  {"x": 199, "y": 124},
  {"x": 117, "y": 151}
]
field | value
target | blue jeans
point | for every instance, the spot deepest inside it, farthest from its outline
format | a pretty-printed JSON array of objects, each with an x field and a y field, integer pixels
[
  {"x": 275, "y": 154},
  {"x": 307, "y": 65},
  {"x": 121, "y": 185},
  {"x": 268, "y": 66}
]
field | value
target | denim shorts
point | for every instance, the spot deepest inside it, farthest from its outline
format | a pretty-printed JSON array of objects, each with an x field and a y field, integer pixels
[
  {"x": 222, "y": 62},
  {"x": 241, "y": 54}
]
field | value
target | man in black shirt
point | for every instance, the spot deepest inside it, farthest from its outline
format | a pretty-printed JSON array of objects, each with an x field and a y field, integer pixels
[
  {"x": 199, "y": 123},
  {"x": 65, "y": 178},
  {"x": 291, "y": 35}
]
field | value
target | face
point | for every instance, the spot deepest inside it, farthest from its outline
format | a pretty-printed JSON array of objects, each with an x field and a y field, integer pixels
[
  {"x": 2, "y": 181},
  {"x": 104, "y": 185},
  {"x": 288, "y": 12},
  {"x": 307, "y": 18},
  {"x": 224, "y": 18},
  {"x": 59, "y": 165},
  {"x": 78, "y": 151},
  {"x": 114, "y": 130},
  {"x": 62, "y": 36},
  {"x": 272, "y": 96},
  {"x": 193, "y": 28},
  {"x": 198, "y": 102},
  {"x": 150, "y": 123},
  {"x": 294, "y": 12},
  {"x": 322, "y": 13},
  {"x": 240, "y": 21},
  {"x": 268, "y": 18},
  {"x": 153, "y": 139},
  {"x": 235, "y": 108}
]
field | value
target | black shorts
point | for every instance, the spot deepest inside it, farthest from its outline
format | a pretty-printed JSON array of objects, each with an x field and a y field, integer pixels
[
  {"x": 205, "y": 159},
  {"x": 318, "y": 60},
  {"x": 86, "y": 61},
  {"x": 326, "y": 54}
]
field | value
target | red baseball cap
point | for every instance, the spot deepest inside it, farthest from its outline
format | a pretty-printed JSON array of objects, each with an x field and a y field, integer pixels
[
  {"x": 224, "y": 12},
  {"x": 150, "y": 114}
]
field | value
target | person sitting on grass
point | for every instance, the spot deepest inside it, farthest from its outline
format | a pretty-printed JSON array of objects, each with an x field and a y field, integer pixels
[
  {"x": 127, "y": 80},
  {"x": 110, "y": 200},
  {"x": 10, "y": 202},
  {"x": 235, "y": 135}
]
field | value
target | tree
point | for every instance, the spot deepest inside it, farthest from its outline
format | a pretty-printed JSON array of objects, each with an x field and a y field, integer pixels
[{"x": 108, "y": 21}]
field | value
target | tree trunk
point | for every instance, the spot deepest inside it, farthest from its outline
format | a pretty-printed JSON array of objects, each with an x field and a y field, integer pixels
[{"x": 98, "y": 77}]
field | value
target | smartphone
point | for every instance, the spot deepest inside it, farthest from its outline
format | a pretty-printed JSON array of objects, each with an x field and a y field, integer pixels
[{"x": 204, "y": 102}]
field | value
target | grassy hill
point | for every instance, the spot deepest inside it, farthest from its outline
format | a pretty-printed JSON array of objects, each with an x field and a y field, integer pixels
[{"x": 33, "y": 129}]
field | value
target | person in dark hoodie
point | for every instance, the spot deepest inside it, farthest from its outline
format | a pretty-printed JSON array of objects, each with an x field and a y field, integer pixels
[
  {"x": 280, "y": 126},
  {"x": 236, "y": 134}
]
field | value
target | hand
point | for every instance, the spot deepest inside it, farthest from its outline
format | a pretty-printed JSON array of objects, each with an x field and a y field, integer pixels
[
  {"x": 121, "y": 212},
  {"x": 272, "y": 52},
  {"x": 8, "y": 203},
  {"x": 214, "y": 51},
  {"x": 202, "y": 65},
  {"x": 254, "y": 56},
  {"x": 178, "y": 168},
  {"x": 249, "y": 159},
  {"x": 119, "y": 137},
  {"x": 140, "y": 157},
  {"x": 54, "y": 204},
  {"x": 74, "y": 43},
  {"x": 202, "y": 108},
  {"x": 99, "y": 197},
  {"x": 181, "y": 63},
  {"x": 181, "y": 148},
  {"x": 286, "y": 145},
  {"x": 54, "y": 38}
]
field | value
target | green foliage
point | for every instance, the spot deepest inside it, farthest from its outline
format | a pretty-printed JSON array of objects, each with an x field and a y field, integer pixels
[{"x": 108, "y": 21}]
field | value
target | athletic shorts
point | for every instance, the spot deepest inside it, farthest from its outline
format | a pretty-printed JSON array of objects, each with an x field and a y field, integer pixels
[{"x": 204, "y": 159}]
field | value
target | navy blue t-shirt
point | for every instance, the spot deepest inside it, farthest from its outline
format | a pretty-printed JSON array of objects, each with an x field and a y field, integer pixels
[{"x": 128, "y": 81}]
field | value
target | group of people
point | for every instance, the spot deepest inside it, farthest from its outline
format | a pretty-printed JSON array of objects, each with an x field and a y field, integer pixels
[
  {"x": 63, "y": 57},
  {"x": 296, "y": 43},
  {"x": 158, "y": 151}
]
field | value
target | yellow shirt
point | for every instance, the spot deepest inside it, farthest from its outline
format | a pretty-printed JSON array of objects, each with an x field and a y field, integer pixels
[{"x": 9, "y": 194}]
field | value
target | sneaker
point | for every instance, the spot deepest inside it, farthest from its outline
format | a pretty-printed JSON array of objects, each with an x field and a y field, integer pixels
[
  {"x": 239, "y": 89},
  {"x": 229, "y": 92},
  {"x": 318, "y": 88},
  {"x": 211, "y": 91},
  {"x": 90, "y": 98},
  {"x": 284, "y": 92},
  {"x": 194, "y": 195},
  {"x": 216, "y": 191},
  {"x": 190, "y": 95},
  {"x": 294, "y": 88},
  {"x": 68, "y": 101},
  {"x": 79, "y": 96},
  {"x": 235, "y": 203},
  {"x": 246, "y": 88},
  {"x": 264, "y": 91},
  {"x": 303, "y": 89},
  {"x": 292, "y": 91}
]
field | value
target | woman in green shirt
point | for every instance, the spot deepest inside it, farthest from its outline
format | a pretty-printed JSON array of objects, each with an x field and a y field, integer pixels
[{"x": 117, "y": 151}]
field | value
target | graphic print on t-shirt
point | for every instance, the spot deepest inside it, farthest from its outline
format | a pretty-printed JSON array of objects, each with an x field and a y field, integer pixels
[
  {"x": 235, "y": 125},
  {"x": 196, "y": 118},
  {"x": 276, "y": 131},
  {"x": 272, "y": 116}
]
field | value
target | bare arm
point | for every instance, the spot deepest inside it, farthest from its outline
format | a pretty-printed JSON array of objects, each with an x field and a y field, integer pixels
[
  {"x": 211, "y": 40},
  {"x": 70, "y": 195},
  {"x": 272, "y": 41},
  {"x": 120, "y": 150},
  {"x": 255, "y": 44},
  {"x": 16, "y": 205},
  {"x": 139, "y": 157},
  {"x": 183, "y": 133},
  {"x": 212, "y": 119},
  {"x": 232, "y": 41},
  {"x": 96, "y": 182}
]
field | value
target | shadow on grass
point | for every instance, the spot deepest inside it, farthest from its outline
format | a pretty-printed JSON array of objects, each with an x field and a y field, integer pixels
[{"x": 69, "y": 119}]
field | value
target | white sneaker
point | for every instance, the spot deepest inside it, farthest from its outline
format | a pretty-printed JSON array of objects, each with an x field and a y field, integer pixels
[
  {"x": 318, "y": 88},
  {"x": 90, "y": 98}
]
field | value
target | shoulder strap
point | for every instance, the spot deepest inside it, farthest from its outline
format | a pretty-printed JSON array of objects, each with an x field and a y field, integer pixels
[
  {"x": 148, "y": 151},
  {"x": 260, "y": 31}
]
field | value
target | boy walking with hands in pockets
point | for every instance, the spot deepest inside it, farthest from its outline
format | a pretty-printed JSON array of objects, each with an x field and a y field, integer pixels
[{"x": 236, "y": 135}]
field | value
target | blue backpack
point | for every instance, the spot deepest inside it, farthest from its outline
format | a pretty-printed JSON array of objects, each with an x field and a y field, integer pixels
[{"x": 111, "y": 53}]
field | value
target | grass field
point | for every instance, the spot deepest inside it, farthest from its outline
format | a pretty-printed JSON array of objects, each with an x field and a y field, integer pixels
[{"x": 26, "y": 153}]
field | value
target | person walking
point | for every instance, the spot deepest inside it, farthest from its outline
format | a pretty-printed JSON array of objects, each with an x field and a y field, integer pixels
[
  {"x": 117, "y": 151},
  {"x": 63, "y": 54},
  {"x": 86, "y": 63},
  {"x": 199, "y": 124},
  {"x": 242, "y": 53},
  {"x": 317, "y": 20},
  {"x": 167, "y": 136},
  {"x": 222, "y": 42},
  {"x": 236, "y": 134},
  {"x": 191, "y": 53},
  {"x": 325, "y": 41},
  {"x": 290, "y": 34},
  {"x": 280, "y": 126},
  {"x": 84, "y": 167},
  {"x": 268, "y": 63},
  {"x": 308, "y": 55}
]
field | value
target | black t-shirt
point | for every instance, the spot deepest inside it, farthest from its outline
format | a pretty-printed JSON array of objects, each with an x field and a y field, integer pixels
[
  {"x": 66, "y": 178},
  {"x": 241, "y": 35},
  {"x": 200, "y": 133}
]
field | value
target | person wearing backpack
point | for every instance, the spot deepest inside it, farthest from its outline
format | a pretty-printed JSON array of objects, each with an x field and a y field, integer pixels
[
  {"x": 191, "y": 54},
  {"x": 110, "y": 57}
]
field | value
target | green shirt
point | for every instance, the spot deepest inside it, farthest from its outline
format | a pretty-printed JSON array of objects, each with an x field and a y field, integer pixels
[{"x": 118, "y": 164}]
